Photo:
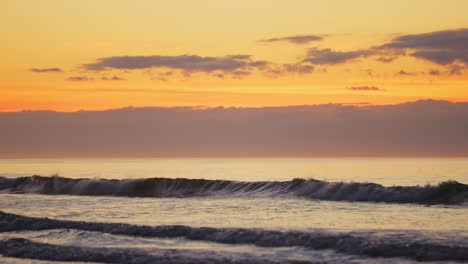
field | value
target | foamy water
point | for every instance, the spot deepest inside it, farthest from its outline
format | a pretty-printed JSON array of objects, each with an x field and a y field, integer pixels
[{"x": 243, "y": 211}]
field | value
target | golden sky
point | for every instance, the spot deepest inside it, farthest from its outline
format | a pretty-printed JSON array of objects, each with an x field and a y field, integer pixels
[{"x": 88, "y": 54}]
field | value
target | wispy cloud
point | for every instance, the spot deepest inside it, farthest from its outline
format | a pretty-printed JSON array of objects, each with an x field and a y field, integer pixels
[
  {"x": 406, "y": 73},
  {"x": 113, "y": 78},
  {"x": 298, "y": 68},
  {"x": 232, "y": 64},
  {"x": 78, "y": 79},
  {"x": 456, "y": 69},
  {"x": 329, "y": 56},
  {"x": 46, "y": 70},
  {"x": 364, "y": 88},
  {"x": 298, "y": 39},
  {"x": 386, "y": 59},
  {"x": 288, "y": 69}
]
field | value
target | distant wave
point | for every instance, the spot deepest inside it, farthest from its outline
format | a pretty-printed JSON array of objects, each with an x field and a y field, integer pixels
[
  {"x": 450, "y": 192},
  {"x": 315, "y": 240}
]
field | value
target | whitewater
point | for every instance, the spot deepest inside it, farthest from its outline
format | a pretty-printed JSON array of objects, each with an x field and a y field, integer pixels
[{"x": 234, "y": 211}]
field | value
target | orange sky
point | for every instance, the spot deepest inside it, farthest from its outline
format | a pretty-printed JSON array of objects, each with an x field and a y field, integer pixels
[{"x": 71, "y": 55}]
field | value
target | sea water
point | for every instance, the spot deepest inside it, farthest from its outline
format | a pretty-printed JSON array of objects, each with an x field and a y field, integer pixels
[{"x": 361, "y": 210}]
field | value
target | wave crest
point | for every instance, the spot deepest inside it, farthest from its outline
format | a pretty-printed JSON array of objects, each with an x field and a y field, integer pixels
[{"x": 449, "y": 192}]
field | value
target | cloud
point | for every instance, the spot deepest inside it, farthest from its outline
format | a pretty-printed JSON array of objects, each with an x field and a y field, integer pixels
[
  {"x": 456, "y": 69},
  {"x": 231, "y": 64},
  {"x": 369, "y": 72},
  {"x": 434, "y": 72},
  {"x": 78, "y": 79},
  {"x": 168, "y": 73},
  {"x": 161, "y": 76},
  {"x": 46, "y": 70},
  {"x": 158, "y": 78},
  {"x": 441, "y": 47},
  {"x": 422, "y": 128},
  {"x": 240, "y": 57},
  {"x": 299, "y": 39},
  {"x": 406, "y": 73},
  {"x": 113, "y": 78},
  {"x": 330, "y": 57},
  {"x": 240, "y": 74},
  {"x": 364, "y": 88},
  {"x": 386, "y": 59},
  {"x": 446, "y": 47},
  {"x": 299, "y": 68}
]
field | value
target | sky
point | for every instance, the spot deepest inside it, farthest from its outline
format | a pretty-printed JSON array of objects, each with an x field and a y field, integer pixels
[
  {"x": 108, "y": 54},
  {"x": 219, "y": 78}
]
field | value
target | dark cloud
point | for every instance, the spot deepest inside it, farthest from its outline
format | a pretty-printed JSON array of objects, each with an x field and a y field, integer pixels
[
  {"x": 423, "y": 128},
  {"x": 446, "y": 39},
  {"x": 46, "y": 70},
  {"x": 78, "y": 79},
  {"x": 299, "y": 39},
  {"x": 364, "y": 88},
  {"x": 329, "y": 56},
  {"x": 113, "y": 78},
  {"x": 187, "y": 63},
  {"x": 441, "y": 47},
  {"x": 442, "y": 57},
  {"x": 446, "y": 47}
]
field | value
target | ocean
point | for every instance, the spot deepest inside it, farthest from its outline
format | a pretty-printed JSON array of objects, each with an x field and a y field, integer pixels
[{"x": 272, "y": 210}]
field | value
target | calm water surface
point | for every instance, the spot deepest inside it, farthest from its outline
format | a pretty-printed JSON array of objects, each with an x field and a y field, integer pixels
[{"x": 395, "y": 171}]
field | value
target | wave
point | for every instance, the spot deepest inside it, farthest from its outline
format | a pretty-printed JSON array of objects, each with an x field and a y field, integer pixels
[
  {"x": 25, "y": 248},
  {"x": 449, "y": 192},
  {"x": 370, "y": 246}
]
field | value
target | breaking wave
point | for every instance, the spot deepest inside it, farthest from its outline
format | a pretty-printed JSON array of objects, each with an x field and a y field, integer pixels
[
  {"x": 450, "y": 192},
  {"x": 379, "y": 246}
]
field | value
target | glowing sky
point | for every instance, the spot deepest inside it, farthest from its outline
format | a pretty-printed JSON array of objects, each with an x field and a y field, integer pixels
[{"x": 88, "y": 54}]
